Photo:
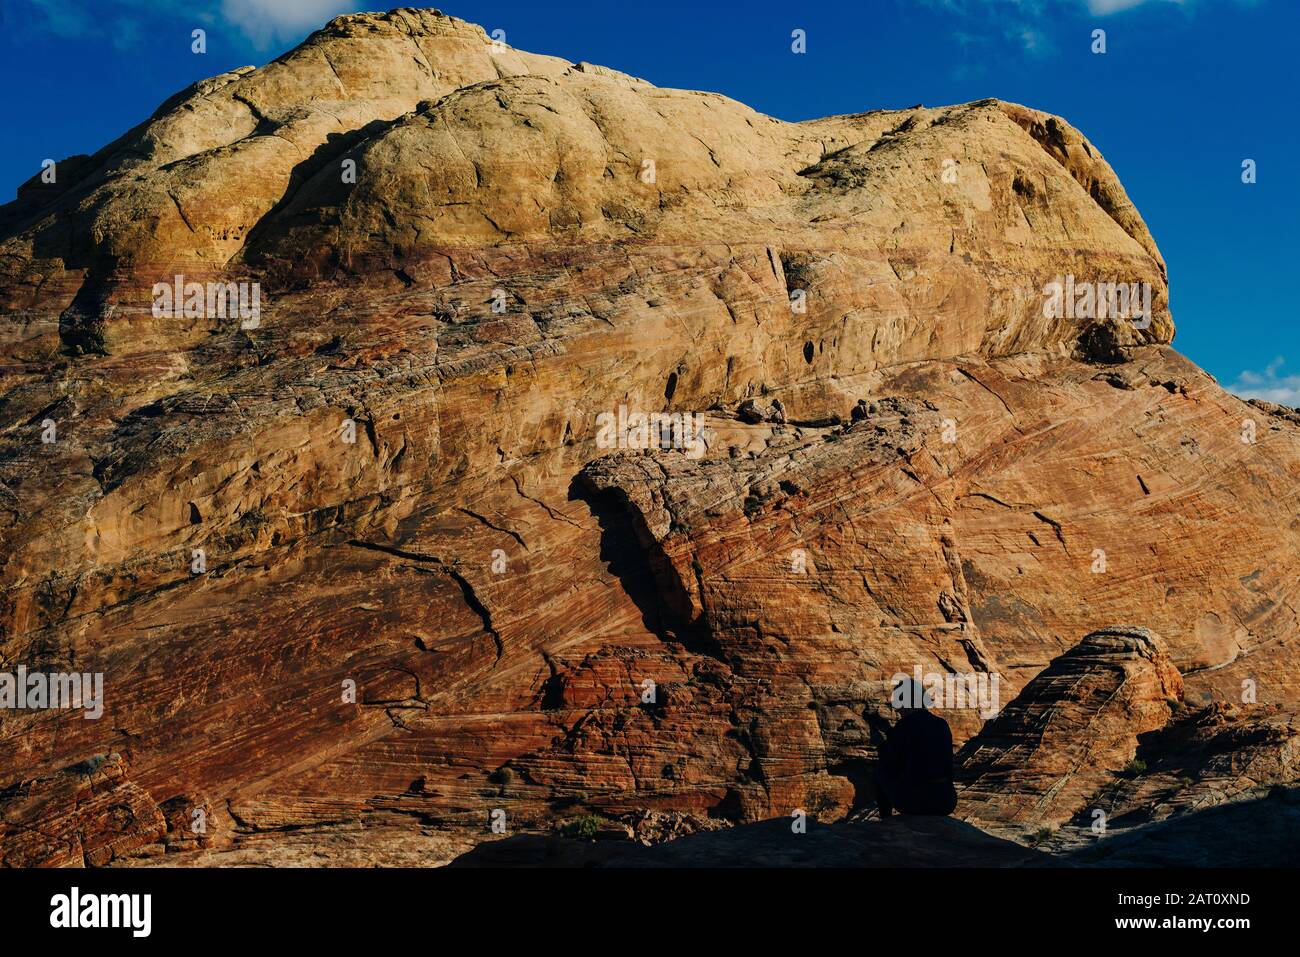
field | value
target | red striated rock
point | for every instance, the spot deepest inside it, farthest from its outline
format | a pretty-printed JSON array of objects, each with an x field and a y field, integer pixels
[
  {"x": 90, "y": 814},
  {"x": 1075, "y": 725}
]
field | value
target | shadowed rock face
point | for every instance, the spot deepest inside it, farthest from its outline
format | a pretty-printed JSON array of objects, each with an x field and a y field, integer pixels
[
  {"x": 901, "y": 842},
  {"x": 534, "y": 622},
  {"x": 1249, "y": 833}
]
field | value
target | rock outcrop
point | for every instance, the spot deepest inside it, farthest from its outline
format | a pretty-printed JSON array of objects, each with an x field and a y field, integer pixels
[
  {"x": 1101, "y": 745},
  {"x": 393, "y": 552},
  {"x": 1071, "y": 730}
]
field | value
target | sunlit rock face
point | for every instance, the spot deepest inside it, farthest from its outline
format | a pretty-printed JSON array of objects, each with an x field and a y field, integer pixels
[{"x": 385, "y": 547}]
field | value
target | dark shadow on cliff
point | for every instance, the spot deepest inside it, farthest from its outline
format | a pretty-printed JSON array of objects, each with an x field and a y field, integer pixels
[
  {"x": 320, "y": 174},
  {"x": 649, "y": 578}
]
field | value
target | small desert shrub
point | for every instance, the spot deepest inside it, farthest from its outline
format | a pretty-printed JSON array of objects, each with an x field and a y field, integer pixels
[
  {"x": 584, "y": 828},
  {"x": 1042, "y": 835},
  {"x": 1135, "y": 768}
]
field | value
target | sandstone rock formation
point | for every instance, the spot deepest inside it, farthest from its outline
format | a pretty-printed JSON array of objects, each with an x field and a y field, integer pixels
[
  {"x": 1071, "y": 729},
  {"x": 466, "y": 255}
]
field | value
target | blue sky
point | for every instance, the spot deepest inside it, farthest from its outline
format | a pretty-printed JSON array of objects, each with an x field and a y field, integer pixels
[{"x": 1186, "y": 91}]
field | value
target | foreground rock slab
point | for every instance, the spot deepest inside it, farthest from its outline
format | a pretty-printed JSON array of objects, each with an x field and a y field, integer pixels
[{"x": 899, "y": 842}]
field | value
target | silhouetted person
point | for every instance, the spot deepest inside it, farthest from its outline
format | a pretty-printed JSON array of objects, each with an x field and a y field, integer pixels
[{"x": 914, "y": 774}]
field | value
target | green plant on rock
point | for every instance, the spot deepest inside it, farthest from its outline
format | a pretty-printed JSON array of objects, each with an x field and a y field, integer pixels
[
  {"x": 1042, "y": 835},
  {"x": 583, "y": 828},
  {"x": 1135, "y": 768}
]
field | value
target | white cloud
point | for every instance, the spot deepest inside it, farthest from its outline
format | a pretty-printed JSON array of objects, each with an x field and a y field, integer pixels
[
  {"x": 1034, "y": 42},
  {"x": 1104, "y": 8},
  {"x": 281, "y": 21},
  {"x": 63, "y": 20},
  {"x": 1035, "y": 9},
  {"x": 1268, "y": 385},
  {"x": 125, "y": 22},
  {"x": 1030, "y": 24}
]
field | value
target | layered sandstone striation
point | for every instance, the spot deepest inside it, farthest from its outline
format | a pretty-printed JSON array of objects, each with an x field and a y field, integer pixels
[
  {"x": 1072, "y": 728},
  {"x": 465, "y": 255}
]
